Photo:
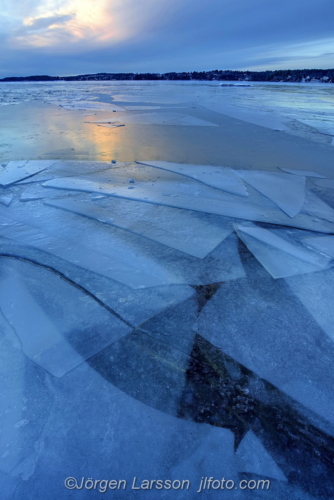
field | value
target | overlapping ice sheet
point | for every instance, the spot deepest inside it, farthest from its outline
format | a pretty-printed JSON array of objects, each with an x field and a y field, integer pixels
[
  {"x": 187, "y": 231},
  {"x": 265, "y": 325},
  {"x": 223, "y": 178},
  {"x": 19, "y": 170},
  {"x": 163, "y": 118},
  {"x": 252, "y": 457},
  {"x": 115, "y": 253},
  {"x": 315, "y": 292},
  {"x": 279, "y": 256},
  {"x": 112, "y": 257},
  {"x": 160, "y": 187},
  {"x": 326, "y": 183},
  {"x": 287, "y": 192},
  {"x": 306, "y": 173},
  {"x": 58, "y": 325},
  {"x": 37, "y": 192},
  {"x": 323, "y": 244}
]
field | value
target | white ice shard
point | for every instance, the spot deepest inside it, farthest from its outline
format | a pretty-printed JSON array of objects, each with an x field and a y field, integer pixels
[
  {"x": 223, "y": 178},
  {"x": 315, "y": 291},
  {"x": 326, "y": 183},
  {"x": 252, "y": 457},
  {"x": 163, "y": 118},
  {"x": 286, "y": 191},
  {"x": 19, "y": 170},
  {"x": 193, "y": 234},
  {"x": 6, "y": 199},
  {"x": 280, "y": 257},
  {"x": 306, "y": 173},
  {"x": 323, "y": 244},
  {"x": 160, "y": 187},
  {"x": 31, "y": 298}
]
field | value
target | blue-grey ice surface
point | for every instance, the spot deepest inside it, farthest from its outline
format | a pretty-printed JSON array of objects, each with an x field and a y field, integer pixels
[
  {"x": 18, "y": 170},
  {"x": 223, "y": 178},
  {"x": 323, "y": 244}
]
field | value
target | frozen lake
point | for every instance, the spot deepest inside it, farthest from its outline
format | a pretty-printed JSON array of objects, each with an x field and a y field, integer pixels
[{"x": 166, "y": 290}]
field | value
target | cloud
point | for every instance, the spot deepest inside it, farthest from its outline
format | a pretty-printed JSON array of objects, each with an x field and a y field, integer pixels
[
  {"x": 165, "y": 35},
  {"x": 40, "y": 23}
]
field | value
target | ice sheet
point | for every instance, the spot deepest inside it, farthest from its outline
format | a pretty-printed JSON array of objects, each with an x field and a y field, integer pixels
[
  {"x": 163, "y": 118},
  {"x": 101, "y": 106},
  {"x": 268, "y": 247},
  {"x": 252, "y": 457},
  {"x": 287, "y": 192},
  {"x": 323, "y": 244},
  {"x": 37, "y": 192},
  {"x": 19, "y": 170},
  {"x": 194, "y": 234},
  {"x": 276, "y": 336},
  {"x": 306, "y": 173},
  {"x": 129, "y": 258},
  {"x": 315, "y": 292},
  {"x": 160, "y": 187},
  {"x": 326, "y": 183},
  {"x": 40, "y": 307},
  {"x": 223, "y": 178},
  {"x": 117, "y": 262},
  {"x": 263, "y": 118},
  {"x": 6, "y": 199}
]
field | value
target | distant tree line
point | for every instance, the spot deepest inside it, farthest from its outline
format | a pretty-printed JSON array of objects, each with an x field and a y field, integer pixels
[{"x": 281, "y": 75}]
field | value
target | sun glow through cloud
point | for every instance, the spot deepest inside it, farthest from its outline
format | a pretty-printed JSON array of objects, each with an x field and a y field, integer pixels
[{"x": 73, "y": 21}]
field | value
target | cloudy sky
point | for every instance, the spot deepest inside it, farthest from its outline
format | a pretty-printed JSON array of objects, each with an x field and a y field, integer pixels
[{"x": 68, "y": 37}]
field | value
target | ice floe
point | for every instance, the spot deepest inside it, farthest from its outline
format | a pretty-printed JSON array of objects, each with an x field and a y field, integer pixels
[
  {"x": 306, "y": 173},
  {"x": 223, "y": 178},
  {"x": 31, "y": 299},
  {"x": 323, "y": 244},
  {"x": 287, "y": 192},
  {"x": 326, "y": 183},
  {"x": 268, "y": 326},
  {"x": 315, "y": 292},
  {"x": 194, "y": 233},
  {"x": 280, "y": 257},
  {"x": 161, "y": 187},
  {"x": 19, "y": 170},
  {"x": 6, "y": 199},
  {"x": 252, "y": 457}
]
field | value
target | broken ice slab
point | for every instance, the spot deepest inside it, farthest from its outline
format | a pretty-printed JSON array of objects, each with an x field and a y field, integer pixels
[
  {"x": 160, "y": 187},
  {"x": 286, "y": 191},
  {"x": 19, "y": 170},
  {"x": 37, "y": 192},
  {"x": 280, "y": 257},
  {"x": 306, "y": 173},
  {"x": 163, "y": 118},
  {"x": 57, "y": 324},
  {"x": 326, "y": 183},
  {"x": 276, "y": 336},
  {"x": 323, "y": 244},
  {"x": 252, "y": 457},
  {"x": 134, "y": 305},
  {"x": 223, "y": 178},
  {"x": 6, "y": 199},
  {"x": 117, "y": 261},
  {"x": 140, "y": 108},
  {"x": 194, "y": 233},
  {"x": 315, "y": 292}
]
